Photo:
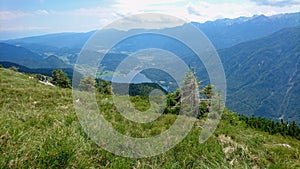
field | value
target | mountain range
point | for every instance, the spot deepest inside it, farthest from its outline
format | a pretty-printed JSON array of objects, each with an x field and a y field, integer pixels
[
  {"x": 263, "y": 75},
  {"x": 260, "y": 55},
  {"x": 25, "y": 57},
  {"x": 223, "y": 33}
]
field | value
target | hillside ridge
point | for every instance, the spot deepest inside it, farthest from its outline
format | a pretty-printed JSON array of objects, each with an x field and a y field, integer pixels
[{"x": 39, "y": 128}]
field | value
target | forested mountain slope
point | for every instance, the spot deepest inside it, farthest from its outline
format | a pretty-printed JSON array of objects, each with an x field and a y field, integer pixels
[{"x": 263, "y": 76}]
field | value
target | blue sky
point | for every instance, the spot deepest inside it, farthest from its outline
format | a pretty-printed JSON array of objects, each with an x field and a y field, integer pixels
[{"x": 19, "y": 18}]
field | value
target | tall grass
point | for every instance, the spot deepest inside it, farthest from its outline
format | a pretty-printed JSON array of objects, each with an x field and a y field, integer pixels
[{"x": 39, "y": 129}]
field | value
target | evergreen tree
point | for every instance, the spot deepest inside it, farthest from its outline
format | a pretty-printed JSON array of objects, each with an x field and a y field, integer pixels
[
  {"x": 208, "y": 91},
  {"x": 104, "y": 87},
  {"x": 282, "y": 127},
  {"x": 173, "y": 103},
  {"x": 87, "y": 84},
  {"x": 60, "y": 79},
  {"x": 189, "y": 96}
]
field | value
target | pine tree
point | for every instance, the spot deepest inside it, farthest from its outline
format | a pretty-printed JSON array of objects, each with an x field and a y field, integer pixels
[
  {"x": 208, "y": 91},
  {"x": 61, "y": 79},
  {"x": 104, "y": 87},
  {"x": 189, "y": 96},
  {"x": 87, "y": 84}
]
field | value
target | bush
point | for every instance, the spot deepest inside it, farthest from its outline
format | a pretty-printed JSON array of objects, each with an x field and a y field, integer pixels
[
  {"x": 104, "y": 87},
  {"x": 14, "y": 68},
  {"x": 42, "y": 77}
]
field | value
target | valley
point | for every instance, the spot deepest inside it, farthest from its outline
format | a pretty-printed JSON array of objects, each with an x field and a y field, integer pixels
[
  {"x": 217, "y": 89},
  {"x": 262, "y": 73}
]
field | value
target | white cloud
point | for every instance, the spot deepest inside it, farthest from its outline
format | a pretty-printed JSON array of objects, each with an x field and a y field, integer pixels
[
  {"x": 130, "y": 7},
  {"x": 135, "y": 5},
  {"x": 42, "y": 12},
  {"x": 198, "y": 11},
  {"x": 23, "y": 28},
  {"x": 146, "y": 21},
  {"x": 96, "y": 11},
  {"x": 9, "y": 15},
  {"x": 203, "y": 11},
  {"x": 89, "y": 18},
  {"x": 192, "y": 10}
]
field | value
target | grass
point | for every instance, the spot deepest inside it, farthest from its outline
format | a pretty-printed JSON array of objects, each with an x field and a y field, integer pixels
[{"x": 39, "y": 129}]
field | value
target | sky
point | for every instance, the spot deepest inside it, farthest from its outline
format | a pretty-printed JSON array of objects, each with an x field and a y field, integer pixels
[{"x": 20, "y": 18}]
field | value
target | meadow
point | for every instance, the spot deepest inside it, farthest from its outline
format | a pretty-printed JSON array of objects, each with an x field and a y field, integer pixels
[{"x": 39, "y": 128}]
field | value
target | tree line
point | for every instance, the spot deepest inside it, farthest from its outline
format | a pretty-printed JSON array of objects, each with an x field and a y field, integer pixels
[
  {"x": 175, "y": 98},
  {"x": 284, "y": 128}
]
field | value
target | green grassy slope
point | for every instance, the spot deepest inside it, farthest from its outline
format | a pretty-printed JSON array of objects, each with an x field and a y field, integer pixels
[{"x": 39, "y": 129}]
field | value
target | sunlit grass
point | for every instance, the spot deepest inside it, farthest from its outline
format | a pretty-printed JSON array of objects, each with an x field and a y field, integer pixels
[{"x": 39, "y": 128}]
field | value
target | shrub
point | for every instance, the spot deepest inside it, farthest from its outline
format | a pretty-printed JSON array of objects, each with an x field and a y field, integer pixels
[{"x": 14, "y": 68}]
